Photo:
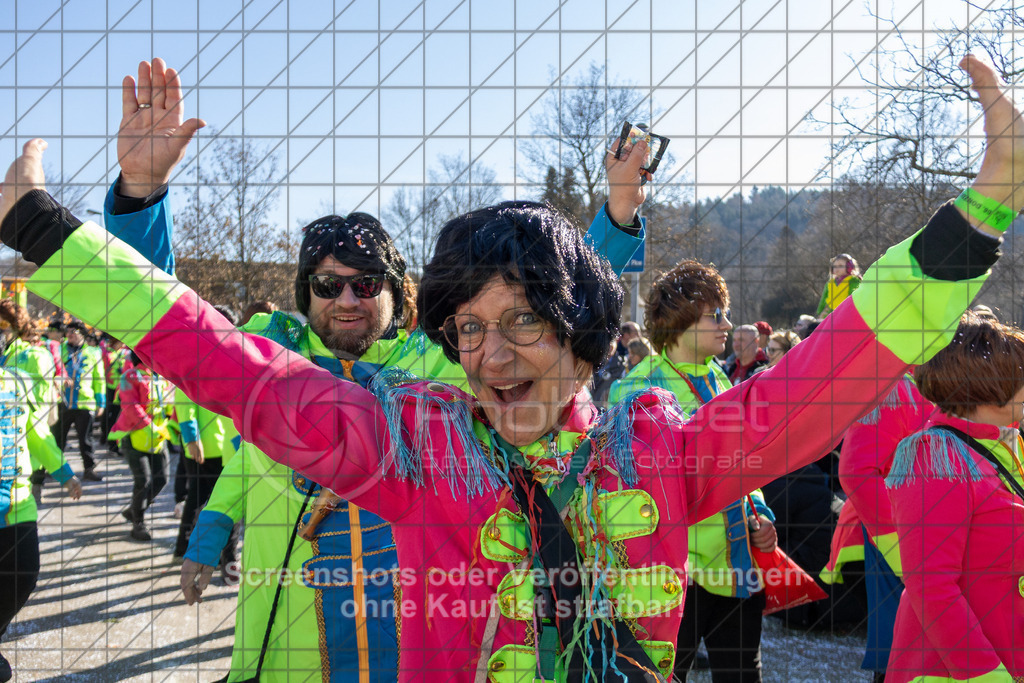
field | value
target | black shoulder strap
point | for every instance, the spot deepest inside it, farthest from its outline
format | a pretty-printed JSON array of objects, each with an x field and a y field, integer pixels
[
  {"x": 987, "y": 454},
  {"x": 557, "y": 553},
  {"x": 280, "y": 584}
]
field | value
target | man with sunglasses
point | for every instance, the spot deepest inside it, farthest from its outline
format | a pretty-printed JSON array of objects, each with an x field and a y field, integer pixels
[
  {"x": 333, "y": 620},
  {"x": 687, "y": 321}
]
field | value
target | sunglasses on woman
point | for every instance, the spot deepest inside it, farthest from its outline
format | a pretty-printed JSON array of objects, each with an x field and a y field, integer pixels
[
  {"x": 330, "y": 286},
  {"x": 719, "y": 315}
]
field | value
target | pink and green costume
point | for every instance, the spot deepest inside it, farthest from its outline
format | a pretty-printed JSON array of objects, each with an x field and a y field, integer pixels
[
  {"x": 336, "y": 618},
  {"x": 864, "y": 463},
  {"x": 868, "y": 449},
  {"x": 961, "y": 539},
  {"x": 420, "y": 456}
]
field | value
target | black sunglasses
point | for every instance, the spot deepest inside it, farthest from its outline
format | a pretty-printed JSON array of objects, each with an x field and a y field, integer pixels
[{"x": 330, "y": 286}]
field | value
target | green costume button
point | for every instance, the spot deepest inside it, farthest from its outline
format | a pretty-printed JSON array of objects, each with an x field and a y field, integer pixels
[{"x": 1020, "y": 586}]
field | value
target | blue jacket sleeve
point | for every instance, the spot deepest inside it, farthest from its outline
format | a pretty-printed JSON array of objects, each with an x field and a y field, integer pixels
[
  {"x": 613, "y": 243},
  {"x": 209, "y": 537},
  {"x": 148, "y": 231}
]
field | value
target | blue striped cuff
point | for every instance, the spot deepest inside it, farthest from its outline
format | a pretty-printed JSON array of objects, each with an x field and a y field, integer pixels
[{"x": 209, "y": 537}]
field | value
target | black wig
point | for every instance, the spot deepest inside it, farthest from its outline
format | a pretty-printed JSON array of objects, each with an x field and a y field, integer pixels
[
  {"x": 358, "y": 241},
  {"x": 567, "y": 283}
]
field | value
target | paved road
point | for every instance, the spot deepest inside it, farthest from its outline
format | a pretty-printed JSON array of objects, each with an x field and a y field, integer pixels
[{"x": 108, "y": 608}]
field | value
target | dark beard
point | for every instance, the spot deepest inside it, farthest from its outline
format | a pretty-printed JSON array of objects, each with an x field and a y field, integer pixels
[{"x": 347, "y": 343}]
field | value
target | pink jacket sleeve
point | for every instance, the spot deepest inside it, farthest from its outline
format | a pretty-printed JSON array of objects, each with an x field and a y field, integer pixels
[
  {"x": 933, "y": 520},
  {"x": 331, "y": 430},
  {"x": 787, "y": 416}
]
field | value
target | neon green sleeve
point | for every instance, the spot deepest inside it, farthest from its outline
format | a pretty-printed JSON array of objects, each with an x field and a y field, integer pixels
[
  {"x": 228, "y": 497},
  {"x": 913, "y": 315},
  {"x": 137, "y": 293},
  {"x": 822, "y": 302}
]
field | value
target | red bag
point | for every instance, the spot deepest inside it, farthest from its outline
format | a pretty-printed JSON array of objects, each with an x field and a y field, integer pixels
[{"x": 786, "y": 584}]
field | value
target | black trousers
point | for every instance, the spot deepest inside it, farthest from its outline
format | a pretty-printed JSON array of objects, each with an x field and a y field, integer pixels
[
  {"x": 82, "y": 419},
  {"x": 19, "y": 569},
  {"x": 201, "y": 480},
  {"x": 149, "y": 476},
  {"x": 180, "y": 478},
  {"x": 110, "y": 414},
  {"x": 731, "y": 629}
]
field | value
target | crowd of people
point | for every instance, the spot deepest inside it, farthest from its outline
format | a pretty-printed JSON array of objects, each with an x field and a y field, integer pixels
[{"x": 489, "y": 475}]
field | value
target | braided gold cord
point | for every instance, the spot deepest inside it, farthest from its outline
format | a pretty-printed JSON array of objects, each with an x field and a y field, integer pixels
[
  {"x": 398, "y": 614},
  {"x": 531, "y": 635},
  {"x": 622, "y": 557}
]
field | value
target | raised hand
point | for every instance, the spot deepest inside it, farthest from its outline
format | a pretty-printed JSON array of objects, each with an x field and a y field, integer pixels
[
  {"x": 626, "y": 191},
  {"x": 153, "y": 136},
  {"x": 1002, "y": 170},
  {"x": 23, "y": 176}
]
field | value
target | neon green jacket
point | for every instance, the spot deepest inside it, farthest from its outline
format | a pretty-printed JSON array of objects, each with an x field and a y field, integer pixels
[
  {"x": 196, "y": 423},
  {"x": 84, "y": 365},
  {"x": 25, "y": 431}
]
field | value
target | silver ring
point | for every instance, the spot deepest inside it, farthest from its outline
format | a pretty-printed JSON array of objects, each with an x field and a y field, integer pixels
[{"x": 144, "y": 105}]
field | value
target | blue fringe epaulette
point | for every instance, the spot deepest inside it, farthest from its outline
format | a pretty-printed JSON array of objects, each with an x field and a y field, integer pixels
[
  {"x": 614, "y": 431},
  {"x": 901, "y": 394},
  {"x": 464, "y": 463},
  {"x": 387, "y": 378},
  {"x": 935, "y": 454},
  {"x": 283, "y": 329}
]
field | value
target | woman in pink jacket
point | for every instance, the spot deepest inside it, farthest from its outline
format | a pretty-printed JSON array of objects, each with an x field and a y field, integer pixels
[
  {"x": 958, "y": 502},
  {"x": 535, "y": 538}
]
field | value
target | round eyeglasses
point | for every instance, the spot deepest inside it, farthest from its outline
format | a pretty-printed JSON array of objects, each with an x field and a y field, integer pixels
[{"x": 466, "y": 332}]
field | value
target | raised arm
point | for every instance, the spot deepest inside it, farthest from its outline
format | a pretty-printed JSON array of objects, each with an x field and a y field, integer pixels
[
  {"x": 618, "y": 230},
  {"x": 329, "y": 429},
  {"x": 905, "y": 311}
]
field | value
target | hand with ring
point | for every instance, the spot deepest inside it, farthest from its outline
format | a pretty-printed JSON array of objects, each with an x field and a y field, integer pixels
[{"x": 153, "y": 136}]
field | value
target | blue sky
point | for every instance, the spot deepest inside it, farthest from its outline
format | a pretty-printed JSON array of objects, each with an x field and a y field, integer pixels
[{"x": 360, "y": 96}]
